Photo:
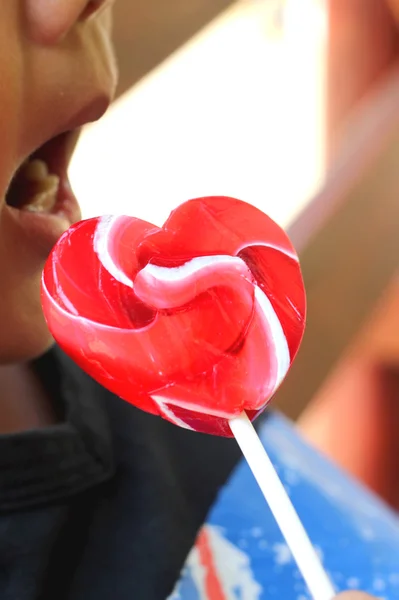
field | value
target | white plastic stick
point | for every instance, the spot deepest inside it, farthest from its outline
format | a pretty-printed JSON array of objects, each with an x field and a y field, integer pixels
[{"x": 287, "y": 518}]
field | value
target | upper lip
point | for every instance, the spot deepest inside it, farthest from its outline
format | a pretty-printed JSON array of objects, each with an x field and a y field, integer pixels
[
  {"x": 91, "y": 111},
  {"x": 62, "y": 138}
]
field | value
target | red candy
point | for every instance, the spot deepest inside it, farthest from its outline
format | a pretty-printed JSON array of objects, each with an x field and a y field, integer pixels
[{"x": 195, "y": 322}]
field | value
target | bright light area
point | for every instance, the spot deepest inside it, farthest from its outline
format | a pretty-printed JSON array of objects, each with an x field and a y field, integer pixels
[{"x": 236, "y": 111}]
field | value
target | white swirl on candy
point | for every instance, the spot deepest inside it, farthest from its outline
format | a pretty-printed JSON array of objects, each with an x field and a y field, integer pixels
[
  {"x": 102, "y": 238},
  {"x": 165, "y": 287}
]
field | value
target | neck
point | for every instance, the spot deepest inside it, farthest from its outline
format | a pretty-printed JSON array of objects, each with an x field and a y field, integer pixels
[{"x": 24, "y": 403}]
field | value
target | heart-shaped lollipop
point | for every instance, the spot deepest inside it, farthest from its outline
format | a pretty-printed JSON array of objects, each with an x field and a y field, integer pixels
[{"x": 196, "y": 321}]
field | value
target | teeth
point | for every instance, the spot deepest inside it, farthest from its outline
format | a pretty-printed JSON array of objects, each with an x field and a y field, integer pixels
[
  {"x": 35, "y": 170},
  {"x": 45, "y": 198},
  {"x": 45, "y": 186}
]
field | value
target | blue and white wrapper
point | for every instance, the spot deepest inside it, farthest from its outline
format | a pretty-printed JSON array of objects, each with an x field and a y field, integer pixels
[{"x": 240, "y": 553}]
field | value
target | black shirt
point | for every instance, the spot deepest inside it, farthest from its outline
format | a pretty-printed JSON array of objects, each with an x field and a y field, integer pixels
[{"x": 105, "y": 505}]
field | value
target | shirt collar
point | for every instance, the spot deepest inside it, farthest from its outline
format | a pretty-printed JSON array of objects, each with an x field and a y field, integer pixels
[{"x": 45, "y": 465}]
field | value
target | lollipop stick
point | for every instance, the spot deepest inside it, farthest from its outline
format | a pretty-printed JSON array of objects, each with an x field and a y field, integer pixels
[{"x": 287, "y": 518}]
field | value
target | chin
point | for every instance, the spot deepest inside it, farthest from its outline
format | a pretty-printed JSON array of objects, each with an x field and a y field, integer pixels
[{"x": 25, "y": 339}]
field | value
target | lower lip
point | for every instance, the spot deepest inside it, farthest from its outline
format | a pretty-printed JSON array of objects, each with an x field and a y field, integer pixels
[{"x": 44, "y": 229}]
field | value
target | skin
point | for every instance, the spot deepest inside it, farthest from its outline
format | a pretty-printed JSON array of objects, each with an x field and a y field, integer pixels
[
  {"x": 46, "y": 54},
  {"x": 54, "y": 60},
  {"x": 353, "y": 596}
]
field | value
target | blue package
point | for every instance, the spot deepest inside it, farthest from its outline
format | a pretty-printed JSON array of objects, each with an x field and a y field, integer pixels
[{"x": 240, "y": 553}]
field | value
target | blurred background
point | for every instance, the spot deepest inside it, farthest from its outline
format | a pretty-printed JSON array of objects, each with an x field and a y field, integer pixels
[
  {"x": 225, "y": 113},
  {"x": 293, "y": 106}
]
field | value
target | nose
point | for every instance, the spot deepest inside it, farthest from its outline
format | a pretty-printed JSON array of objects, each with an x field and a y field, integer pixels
[
  {"x": 50, "y": 20},
  {"x": 92, "y": 7}
]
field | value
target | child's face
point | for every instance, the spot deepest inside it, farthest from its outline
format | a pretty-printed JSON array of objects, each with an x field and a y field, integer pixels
[{"x": 57, "y": 72}]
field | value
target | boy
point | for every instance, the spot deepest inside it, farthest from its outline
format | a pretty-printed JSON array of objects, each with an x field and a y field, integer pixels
[{"x": 97, "y": 499}]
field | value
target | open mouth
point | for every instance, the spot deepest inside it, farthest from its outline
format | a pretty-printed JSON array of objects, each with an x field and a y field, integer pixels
[{"x": 41, "y": 183}]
